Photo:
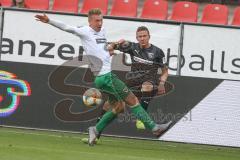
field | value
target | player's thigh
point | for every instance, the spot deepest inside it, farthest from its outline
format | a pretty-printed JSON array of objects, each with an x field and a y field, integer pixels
[
  {"x": 118, "y": 88},
  {"x": 149, "y": 89},
  {"x": 117, "y": 106},
  {"x": 131, "y": 100},
  {"x": 112, "y": 85},
  {"x": 135, "y": 86},
  {"x": 106, "y": 106}
]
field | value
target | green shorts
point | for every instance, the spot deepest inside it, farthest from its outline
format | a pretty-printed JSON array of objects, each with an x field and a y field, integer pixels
[{"x": 112, "y": 85}]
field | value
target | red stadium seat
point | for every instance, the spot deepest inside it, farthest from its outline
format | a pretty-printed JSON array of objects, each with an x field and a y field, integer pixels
[
  {"x": 6, "y": 3},
  {"x": 236, "y": 17},
  {"x": 66, "y": 5},
  {"x": 124, "y": 8},
  {"x": 89, "y": 4},
  {"x": 215, "y": 14},
  {"x": 37, "y": 4},
  {"x": 184, "y": 11},
  {"x": 155, "y": 9}
]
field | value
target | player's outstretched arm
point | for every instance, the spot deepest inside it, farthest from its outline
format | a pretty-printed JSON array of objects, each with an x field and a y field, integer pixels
[{"x": 44, "y": 18}]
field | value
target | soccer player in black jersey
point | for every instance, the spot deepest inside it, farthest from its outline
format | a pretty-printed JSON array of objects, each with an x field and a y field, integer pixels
[
  {"x": 146, "y": 60},
  {"x": 143, "y": 78}
]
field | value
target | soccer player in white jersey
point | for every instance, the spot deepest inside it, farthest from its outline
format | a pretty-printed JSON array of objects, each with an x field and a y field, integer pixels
[{"x": 93, "y": 40}]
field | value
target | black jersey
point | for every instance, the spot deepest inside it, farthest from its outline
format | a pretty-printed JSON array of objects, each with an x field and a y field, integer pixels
[{"x": 145, "y": 63}]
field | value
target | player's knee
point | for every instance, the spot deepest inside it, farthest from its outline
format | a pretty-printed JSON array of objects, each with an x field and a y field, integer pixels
[
  {"x": 147, "y": 87},
  {"x": 131, "y": 100}
]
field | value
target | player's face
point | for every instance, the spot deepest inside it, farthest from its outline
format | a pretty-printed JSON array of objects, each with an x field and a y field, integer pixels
[
  {"x": 95, "y": 22},
  {"x": 143, "y": 38}
]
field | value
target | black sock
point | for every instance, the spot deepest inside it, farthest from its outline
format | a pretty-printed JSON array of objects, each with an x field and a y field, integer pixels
[
  {"x": 144, "y": 103},
  {"x": 145, "y": 99}
]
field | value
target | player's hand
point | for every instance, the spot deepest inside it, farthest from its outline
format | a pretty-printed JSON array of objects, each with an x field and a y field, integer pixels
[
  {"x": 124, "y": 46},
  {"x": 111, "y": 52},
  {"x": 43, "y": 18},
  {"x": 110, "y": 46},
  {"x": 113, "y": 45},
  {"x": 161, "y": 89},
  {"x": 121, "y": 41}
]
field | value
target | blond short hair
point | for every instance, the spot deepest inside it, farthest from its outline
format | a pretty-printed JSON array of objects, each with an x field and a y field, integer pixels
[{"x": 95, "y": 11}]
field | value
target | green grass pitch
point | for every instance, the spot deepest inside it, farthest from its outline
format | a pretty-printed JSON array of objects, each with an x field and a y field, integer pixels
[{"x": 17, "y": 144}]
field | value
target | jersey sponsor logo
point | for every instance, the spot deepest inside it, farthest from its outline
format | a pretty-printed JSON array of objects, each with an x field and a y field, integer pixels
[
  {"x": 140, "y": 60},
  {"x": 101, "y": 40}
]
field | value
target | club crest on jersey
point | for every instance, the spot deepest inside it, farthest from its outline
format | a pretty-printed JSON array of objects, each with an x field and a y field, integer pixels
[{"x": 150, "y": 55}]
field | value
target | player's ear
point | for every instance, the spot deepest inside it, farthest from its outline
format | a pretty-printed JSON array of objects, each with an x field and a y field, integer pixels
[
  {"x": 89, "y": 19},
  {"x": 136, "y": 36}
]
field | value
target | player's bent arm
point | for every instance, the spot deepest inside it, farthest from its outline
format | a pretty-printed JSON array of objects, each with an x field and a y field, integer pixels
[
  {"x": 122, "y": 45},
  {"x": 164, "y": 75},
  {"x": 162, "y": 79},
  {"x": 62, "y": 26}
]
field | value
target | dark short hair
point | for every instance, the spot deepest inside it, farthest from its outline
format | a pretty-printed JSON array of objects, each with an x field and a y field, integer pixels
[
  {"x": 143, "y": 28},
  {"x": 94, "y": 11}
]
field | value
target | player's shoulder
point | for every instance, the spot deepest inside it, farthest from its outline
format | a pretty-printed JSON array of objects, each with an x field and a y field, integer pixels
[
  {"x": 157, "y": 50},
  {"x": 155, "y": 47},
  {"x": 85, "y": 31}
]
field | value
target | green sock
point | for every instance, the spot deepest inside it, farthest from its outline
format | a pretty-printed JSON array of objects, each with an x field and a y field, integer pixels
[
  {"x": 142, "y": 115},
  {"x": 105, "y": 120}
]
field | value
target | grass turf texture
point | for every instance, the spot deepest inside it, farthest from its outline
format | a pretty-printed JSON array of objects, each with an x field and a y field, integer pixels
[{"x": 17, "y": 144}]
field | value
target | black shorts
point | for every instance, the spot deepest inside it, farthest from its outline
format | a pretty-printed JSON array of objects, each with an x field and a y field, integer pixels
[{"x": 135, "y": 86}]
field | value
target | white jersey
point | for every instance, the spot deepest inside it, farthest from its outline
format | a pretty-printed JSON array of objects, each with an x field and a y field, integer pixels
[{"x": 94, "y": 46}]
